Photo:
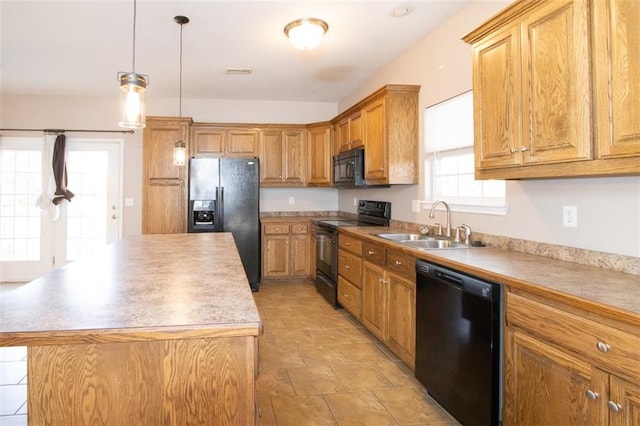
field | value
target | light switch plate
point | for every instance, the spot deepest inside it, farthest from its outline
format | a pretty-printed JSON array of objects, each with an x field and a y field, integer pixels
[{"x": 415, "y": 206}]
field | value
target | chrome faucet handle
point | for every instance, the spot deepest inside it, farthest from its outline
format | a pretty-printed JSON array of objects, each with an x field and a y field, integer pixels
[
  {"x": 439, "y": 230},
  {"x": 457, "y": 237},
  {"x": 467, "y": 233},
  {"x": 424, "y": 230}
]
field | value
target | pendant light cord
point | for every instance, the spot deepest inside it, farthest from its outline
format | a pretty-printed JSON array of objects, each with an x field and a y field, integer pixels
[
  {"x": 180, "y": 85},
  {"x": 134, "y": 38}
]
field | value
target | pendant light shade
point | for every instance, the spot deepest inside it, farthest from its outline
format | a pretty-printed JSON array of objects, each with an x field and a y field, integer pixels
[
  {"x": 132, "y": 88},
  {"x": 180, "y": 148},
  {"x": 132, "y": 104},
  {"x": 307, "y": 33}
]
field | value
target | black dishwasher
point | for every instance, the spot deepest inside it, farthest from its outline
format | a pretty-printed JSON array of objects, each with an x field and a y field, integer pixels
[{"x": 459, "y": 343}]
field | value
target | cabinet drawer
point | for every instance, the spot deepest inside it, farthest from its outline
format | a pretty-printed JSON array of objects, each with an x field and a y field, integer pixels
[
  {"x": 614, "y": 348},
  {"x": 349, "y": 296},
  {"x": 299, "y": 228},
  {"x": 351, "y": 244},
  {"x": 373, "y": 253},
  {"x": 276, "y": 228},
  {"x": 401, "y": 264},
  {"x": 350, "y": 267}
]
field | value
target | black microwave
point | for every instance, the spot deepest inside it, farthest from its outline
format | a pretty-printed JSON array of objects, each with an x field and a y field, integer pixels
[{"x": 348, "y": 169}]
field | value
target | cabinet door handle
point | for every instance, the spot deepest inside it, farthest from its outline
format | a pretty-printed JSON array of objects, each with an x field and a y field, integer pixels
[
  {"x": 603, "y": 347},
  {"x": 380, "y": 281},
  {"x": 347, "y": 243},
  {"x": 345, "y": 295},
  {"x": 371, "y": 252},
  {"x": 614, "y": 406},
  {"x": 398, "y": 263},
  {"x": 592, "y": 395},
  {"x": 277, "y": 229},
  {"x": 347, "y": 266}
]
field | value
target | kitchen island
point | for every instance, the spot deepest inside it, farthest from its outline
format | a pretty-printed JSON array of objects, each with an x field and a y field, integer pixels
[{"x": 154, "y": 329}]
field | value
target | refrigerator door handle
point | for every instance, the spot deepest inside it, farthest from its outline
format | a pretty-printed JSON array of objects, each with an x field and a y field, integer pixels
[{"x": 220, "y": 224}]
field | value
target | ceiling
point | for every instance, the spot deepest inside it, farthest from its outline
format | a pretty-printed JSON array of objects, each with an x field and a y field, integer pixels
[{"x": 78, "y": 47}]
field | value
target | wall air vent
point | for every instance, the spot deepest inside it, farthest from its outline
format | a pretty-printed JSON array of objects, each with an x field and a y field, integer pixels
[{"x": 243, "y": 71}]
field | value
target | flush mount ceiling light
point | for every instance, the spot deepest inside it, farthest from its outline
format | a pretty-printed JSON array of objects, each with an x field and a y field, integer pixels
[
  {"x": 132, "y": 88},
  {"x": 401, "y": 11},
  {"x": 306, "y": 33},
  {"x": 180, "y": 148}
]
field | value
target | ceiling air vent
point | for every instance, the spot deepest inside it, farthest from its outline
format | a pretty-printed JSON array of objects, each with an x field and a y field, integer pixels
[{"x": 243, "y": 71}]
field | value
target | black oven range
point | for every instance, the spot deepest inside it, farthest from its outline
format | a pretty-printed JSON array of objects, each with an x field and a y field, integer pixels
[{"x": 370, "y": 213}]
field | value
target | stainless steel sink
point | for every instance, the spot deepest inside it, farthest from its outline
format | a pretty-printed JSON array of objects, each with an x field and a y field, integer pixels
[
  {"x": 403, "y": 237},
  {"x": 420, "y": 241},
  {"x": 433, "y": 244}
]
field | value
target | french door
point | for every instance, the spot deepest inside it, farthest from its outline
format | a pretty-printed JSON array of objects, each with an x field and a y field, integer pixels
[{"x": 31, "y": 243}]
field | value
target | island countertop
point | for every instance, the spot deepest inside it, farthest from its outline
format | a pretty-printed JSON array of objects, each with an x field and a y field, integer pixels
[{"x": 165, "y": 285}]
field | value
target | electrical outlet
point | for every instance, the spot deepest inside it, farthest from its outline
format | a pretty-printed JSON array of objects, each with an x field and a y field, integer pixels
[
  {"x": 355, "y": 201},
  {"x": 415, "y": 206},
  {"x": 128, "y": 202},
  {"x": 570, "y": 216},
  {"x": 292, "y": 201}
]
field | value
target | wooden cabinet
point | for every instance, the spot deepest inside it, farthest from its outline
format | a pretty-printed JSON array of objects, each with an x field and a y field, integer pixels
[
  {"x": 387, "y": 125},
  {"x": 282, "y": 157},
  {"x": 286, "y": 249},
  {"x": 320, "y": 157},
  {"x": 616, "y": 59},
  {"x": 388, "y": 299},
  {"x": 535, "y": 111},
  {"x": 567, "y": 366},
  {"x": 164, "y": 190},
  {"x": 220, "y": 140},
  {"x": 350, "y": 274},
  {"x": 349, "y": 132}
]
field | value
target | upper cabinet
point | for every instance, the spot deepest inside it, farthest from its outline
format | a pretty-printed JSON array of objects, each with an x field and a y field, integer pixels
[
  {"x": 164, "y": 186},
  {"x": 616, "y": 58},
  {"x": 349, "y": 132},
  {"x": 536, "y": 114},
  {"x": 319, "y": 156},
  {"x": 282, "y": 157},
  {"x": 388, "y": 124},
  {"x": 217, "y": 140}
]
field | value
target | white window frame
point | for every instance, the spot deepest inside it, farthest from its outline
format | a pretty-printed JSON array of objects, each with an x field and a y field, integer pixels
[{"x": 461, "y": 145}]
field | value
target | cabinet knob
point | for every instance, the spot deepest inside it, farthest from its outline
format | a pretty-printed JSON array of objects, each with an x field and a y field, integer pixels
[
  {"x": 347, "y": 266},
  {"x": 603, "y": 347},
  {"x": 614, "y": 406},
  {"x": 371, "y": 252},
  {"x": 345, "y": 295},
  {"x": 347, "y": 243},
  {"x": 277, "y": 229},
  {"x": 398, "y": 263},
  {"x": 524, "y": 148},
  {"x": 380, "y": 281},
  {"x": 513, "y": 150},
  {"x": 592, "y": 395}
]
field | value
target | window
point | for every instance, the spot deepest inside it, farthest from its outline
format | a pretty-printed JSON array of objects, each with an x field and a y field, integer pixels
[{"x": 449, "y": 160}]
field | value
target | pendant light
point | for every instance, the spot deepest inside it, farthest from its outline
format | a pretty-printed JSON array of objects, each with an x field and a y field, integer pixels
[
  {"x": 180, "y": 148},
  {"x": 306, "y": 33},
  {"x": 132, "y": 88}
]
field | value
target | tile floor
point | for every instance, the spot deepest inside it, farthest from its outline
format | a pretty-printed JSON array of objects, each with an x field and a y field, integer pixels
[{"x": 318, "y": 366}]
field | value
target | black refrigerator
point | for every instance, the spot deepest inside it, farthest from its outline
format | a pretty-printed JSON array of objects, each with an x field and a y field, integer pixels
[{"x": 224, "y": 196}]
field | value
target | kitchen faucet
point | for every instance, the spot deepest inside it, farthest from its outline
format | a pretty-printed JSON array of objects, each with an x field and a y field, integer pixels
[{"x": 446, "y": 206}]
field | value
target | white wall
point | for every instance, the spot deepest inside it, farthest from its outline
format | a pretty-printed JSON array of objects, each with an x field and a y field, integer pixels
[
  {"x": 608, "y": 208},
  {"x": 77, "y": 112}
]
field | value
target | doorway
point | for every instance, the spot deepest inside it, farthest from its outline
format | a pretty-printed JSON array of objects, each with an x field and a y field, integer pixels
[{"x": 32, "y": 244}]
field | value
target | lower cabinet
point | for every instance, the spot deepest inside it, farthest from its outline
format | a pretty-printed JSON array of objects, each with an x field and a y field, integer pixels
[
  {"x": 568, "y": 367},
  {"x": 388, "y": 299},
  {"x": 286, "y": 249}
]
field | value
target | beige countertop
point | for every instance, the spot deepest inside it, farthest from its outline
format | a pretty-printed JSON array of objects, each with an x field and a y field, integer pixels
[
  {"x": 161, "y": 285},
  {"x": 609, "y": 293}
]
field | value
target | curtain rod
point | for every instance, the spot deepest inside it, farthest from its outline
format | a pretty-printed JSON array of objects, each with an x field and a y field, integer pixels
[{"x": 66, "y": 130}]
